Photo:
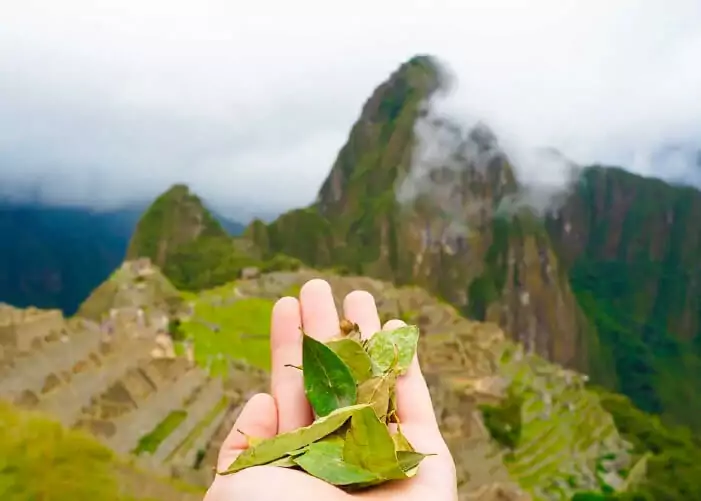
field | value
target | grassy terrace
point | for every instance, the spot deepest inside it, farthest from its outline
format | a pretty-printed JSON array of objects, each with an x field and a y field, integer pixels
[
  {"x": 187, "y": 444},
  {"x": 563, "y": 427},
  {"x": 224, "y": 326},
  {"x": 149, "y": 443},
  {"x": 228, "y": 326},
  {"x": 33, "y": 447}
]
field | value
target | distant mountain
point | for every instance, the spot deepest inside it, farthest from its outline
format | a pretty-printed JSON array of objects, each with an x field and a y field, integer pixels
[
  {"x": 233, "y": 228},
  {"x": 53, "y": 257},
  {"x": 632, "y": 246}
]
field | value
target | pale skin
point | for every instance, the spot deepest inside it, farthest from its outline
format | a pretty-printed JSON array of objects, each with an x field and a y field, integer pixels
[{"x": 266, "y": 415}]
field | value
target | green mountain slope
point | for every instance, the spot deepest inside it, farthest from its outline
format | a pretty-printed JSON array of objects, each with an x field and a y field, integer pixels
[
  {"x": 53, "y": 257},
  {"x": 673, "y": 453},
  {"x": 187, "y": 242},
  {"x": 633, "y": 246}
]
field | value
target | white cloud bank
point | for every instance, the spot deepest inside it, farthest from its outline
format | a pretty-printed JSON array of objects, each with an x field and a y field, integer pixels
[{"x": 103, "y": 101}]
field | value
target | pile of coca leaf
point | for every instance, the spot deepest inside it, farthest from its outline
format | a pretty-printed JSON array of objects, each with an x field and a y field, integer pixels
[{"x": 350, "y": 384}]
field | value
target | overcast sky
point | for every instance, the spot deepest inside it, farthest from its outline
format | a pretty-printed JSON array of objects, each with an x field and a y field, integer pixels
[{"x": 103, "y": 102}]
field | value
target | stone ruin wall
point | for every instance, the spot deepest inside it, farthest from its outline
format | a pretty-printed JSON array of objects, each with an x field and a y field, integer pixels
[
  {"x": 122, "y": 391},
  {"x": 22, "y": 329}
]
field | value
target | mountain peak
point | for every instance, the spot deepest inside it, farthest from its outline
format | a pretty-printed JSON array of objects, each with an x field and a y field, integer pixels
[
  {"x": 177, "y": 217},
  {"x": 385, "y": 123},
  {"x": 413, "y": 198},
  {"x": 182, "y": 237},
  {"x": 419, "y": 77},
  {"x": 178, "y": 189}
]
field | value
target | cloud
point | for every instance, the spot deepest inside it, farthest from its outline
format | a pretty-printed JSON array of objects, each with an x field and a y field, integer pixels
[
  {"x": 451, "y": 148},
  {"x": 103, "y": 102}
]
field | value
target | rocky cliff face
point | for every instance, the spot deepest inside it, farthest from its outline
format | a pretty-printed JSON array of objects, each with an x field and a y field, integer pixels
[
  {"x": 620, "y": 218},
  {"x": 395, "y": 207},
  {"x": 610, "y": 284},
  {"x": 633, "y": 249}
]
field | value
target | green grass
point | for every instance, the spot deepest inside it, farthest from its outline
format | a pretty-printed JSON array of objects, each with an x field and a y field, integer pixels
[
  {"x": 674, "y": 453},
  {"x": 549, "y": 450},
  {"x": 149, "y": 443},
  {"x": 244, "y": 330},
  {"x": 42, "y": 461},
  {"x": 186, "y": 444},
  {"x": 39, "y": 460},
  {"x": 293, "y": 290}
]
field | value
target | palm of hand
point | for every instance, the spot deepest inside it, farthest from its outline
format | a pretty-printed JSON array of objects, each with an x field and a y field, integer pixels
[{"x": 287, "y": 409}]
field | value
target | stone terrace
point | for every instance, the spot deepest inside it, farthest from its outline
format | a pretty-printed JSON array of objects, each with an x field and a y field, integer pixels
[{"x": 106, "y": 382}]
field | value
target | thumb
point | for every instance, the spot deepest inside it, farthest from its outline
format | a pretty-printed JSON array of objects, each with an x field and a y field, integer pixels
[{"x": 258, "y": 419}]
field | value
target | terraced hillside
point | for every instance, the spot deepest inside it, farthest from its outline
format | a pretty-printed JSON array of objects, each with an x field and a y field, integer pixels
[
  {"x": 120, "y": 381},
  {"x": 468, "y": 364},
  {"x": 554, "y": 411},
  {"x": 80, "y": 379},
  {"x": 168, "y": 406}
]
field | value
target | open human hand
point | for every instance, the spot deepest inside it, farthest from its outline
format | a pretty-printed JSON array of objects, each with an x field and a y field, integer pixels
[{"x": 287, "y": 409}]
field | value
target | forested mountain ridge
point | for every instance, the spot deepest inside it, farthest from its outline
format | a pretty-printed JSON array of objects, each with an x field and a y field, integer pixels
[
  {"x": 54, "y": 256},
  {"x": 632, "y": 246}
]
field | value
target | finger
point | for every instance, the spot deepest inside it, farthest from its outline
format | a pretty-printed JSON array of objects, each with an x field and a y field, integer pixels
[
  {"x": 414, "y": 405},
  {"x": 359, "y": 307},
  {"x": 319, "y": 315},
  {"x": 287, "y": 382},
  {"x": 258, "y": 419},
  {"x": 395, "y": 323}
]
